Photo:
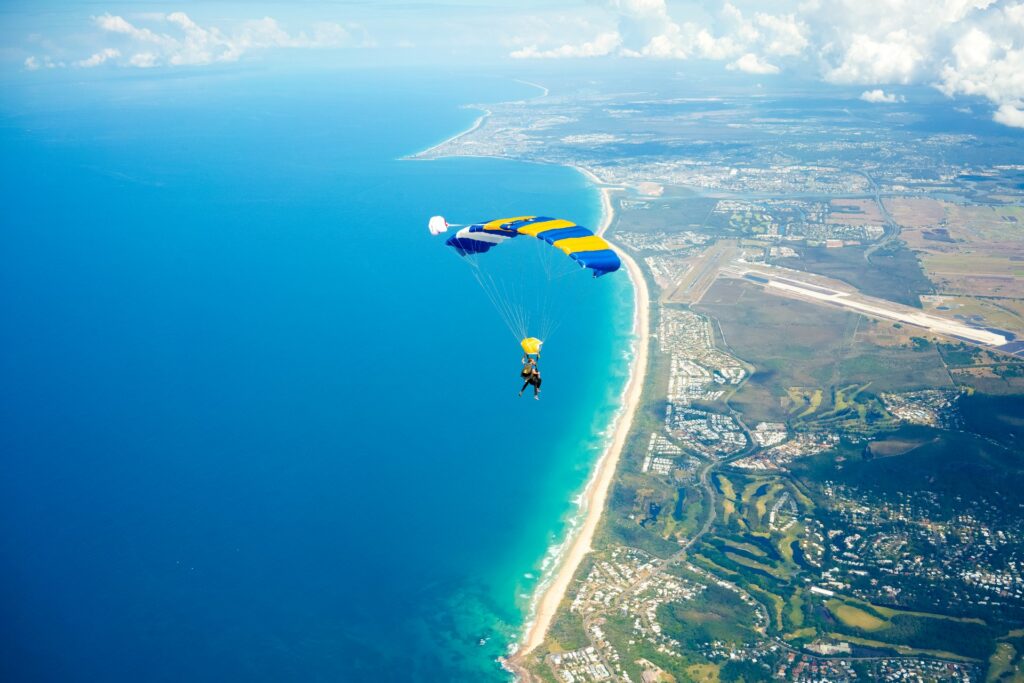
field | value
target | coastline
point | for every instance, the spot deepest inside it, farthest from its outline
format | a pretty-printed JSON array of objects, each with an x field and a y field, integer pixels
[
  {"x": 425, "y": 155},
  {"x": 596, "y": 492},
  {"x": 607, "y": 210}
]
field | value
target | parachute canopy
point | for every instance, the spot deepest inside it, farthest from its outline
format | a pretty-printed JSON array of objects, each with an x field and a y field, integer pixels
[
  {"x": 530, "y": 284},
  {"x": 579, "y": 243},
  {"x": 531, "y": 346},
  {"x": 437, "y": 225}
]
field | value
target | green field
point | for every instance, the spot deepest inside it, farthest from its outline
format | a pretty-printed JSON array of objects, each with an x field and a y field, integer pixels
[
  {"x": 718, "y": 614},
  {"x": 855, "y": 617},
  {"x": 894, "y": 272},
  {"x": 1005, "y": 665},
  {"x": 812, "y": 363},
  {"x": 970, "y": 638}
]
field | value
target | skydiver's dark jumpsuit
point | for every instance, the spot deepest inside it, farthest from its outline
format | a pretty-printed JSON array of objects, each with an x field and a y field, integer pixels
[{"x": 532, "y": 375}]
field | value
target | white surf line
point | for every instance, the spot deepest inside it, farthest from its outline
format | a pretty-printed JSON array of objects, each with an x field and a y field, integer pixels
[
  {"x": 545, "y": 92},
  {"x": 473, "y": 127}
]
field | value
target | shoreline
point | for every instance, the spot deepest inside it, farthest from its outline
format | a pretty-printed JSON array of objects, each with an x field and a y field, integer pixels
[
  {"x": 426, "y": 154},
  {"x": 607, "y": 210},
  {"x": 595, "y": 494}
]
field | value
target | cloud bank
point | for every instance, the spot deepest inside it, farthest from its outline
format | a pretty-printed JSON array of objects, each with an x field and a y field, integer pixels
[
  {"x": 174, "y": 39},
  {"x": 961, "y": 47},
  {"x": 879, "y": 96}
]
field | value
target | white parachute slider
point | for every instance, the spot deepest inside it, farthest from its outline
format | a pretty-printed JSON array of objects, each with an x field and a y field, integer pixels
[{"x": 437, "y": 225}]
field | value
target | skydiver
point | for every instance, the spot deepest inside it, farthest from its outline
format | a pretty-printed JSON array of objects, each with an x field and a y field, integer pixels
[{"x": 531, "y": 373}]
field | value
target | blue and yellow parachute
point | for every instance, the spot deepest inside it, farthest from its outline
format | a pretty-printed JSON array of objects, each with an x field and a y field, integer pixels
[
  {"x": 527, "y": 298},
  {"x": 579, "y": 243}
]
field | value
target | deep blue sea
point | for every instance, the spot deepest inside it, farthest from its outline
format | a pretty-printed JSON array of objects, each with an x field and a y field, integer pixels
[{"x": 255, "y": 423}]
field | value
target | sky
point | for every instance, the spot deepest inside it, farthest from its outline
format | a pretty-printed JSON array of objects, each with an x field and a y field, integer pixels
[{"x": 971, "y": 50}]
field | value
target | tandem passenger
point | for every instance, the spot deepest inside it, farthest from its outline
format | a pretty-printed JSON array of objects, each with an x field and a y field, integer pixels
[{"x": 531, "y": 376}]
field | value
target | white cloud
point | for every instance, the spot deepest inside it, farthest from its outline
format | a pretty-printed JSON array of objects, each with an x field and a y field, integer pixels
[
  {"x": 787, "y": 35},
  {"x": 893, "y": 59},
  {"x": 879, "y": 96},
  {"x": 116, "y": 24},
  {"x": 98, "y": 58},
  {"x": 1009, "y": 115},
  {"x": 648, "y": 30},
  {"x": 645, "y": 28},
  {"x": 174, "y": 39},
  {"x": 974, "y": 50},
  {"x": 33, "y": 63},
  {"x": 961, "y": 47},
  {"x": 143, "y": 60},
  {"x": 602, "y": 45},
  {"x": 955, "y": 10},
  {"x": 710, "y": 47},
  {"x": 1015, "y": 14},
  {"x": 752, "y": 64},
  {"x": 990, "y": 66},
  {"x": 663, "y": 46}
]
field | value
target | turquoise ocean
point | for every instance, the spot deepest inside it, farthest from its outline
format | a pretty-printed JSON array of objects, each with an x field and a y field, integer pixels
[{"x": 256, "y": 424}]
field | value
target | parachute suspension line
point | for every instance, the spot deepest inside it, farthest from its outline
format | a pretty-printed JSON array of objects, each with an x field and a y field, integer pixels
[
  {"x": 512, "y": 295},
  {"x": 555, "y": 267},
  {"x": 526, "y": 299},
  {"x": 540, "y": 294},
  {"x": 497, "y": 296},
  {"x": 499, "y": 300}
]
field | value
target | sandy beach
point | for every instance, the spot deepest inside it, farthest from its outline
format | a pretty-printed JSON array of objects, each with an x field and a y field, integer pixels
[
  {"x": 430, "y": 151},
  {"x": 597, "y": 489}
]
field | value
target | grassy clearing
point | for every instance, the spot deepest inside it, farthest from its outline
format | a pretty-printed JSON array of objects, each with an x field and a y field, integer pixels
[
  {"x": 761, "y": 506},
  {"x": 902, "y": 649},
  {"x": 802, "y": 500},
  {"x": 889, "y": 613},
  {"x": 728, "y": 498},
  {"x": 808, "y": 632},
  {"x": 799, "y": 348},
  {"x": 885, "y": 448},
  {"x": 748, "y": 503},
  {"x": 785, "y": 543},
  {"x": 855, "y": 617},
  {"x": 1002, "y": 665},
  {"x": 703, "y": 673},
  {"x": 970, "y": 637},
  {"x": 796, "y": 609},
  {"x": 804, "y": 400},
  {"x": 751, "y": 564},
  {"x": 746, "y": 547},
  {"x": 704, "y": 562}
]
